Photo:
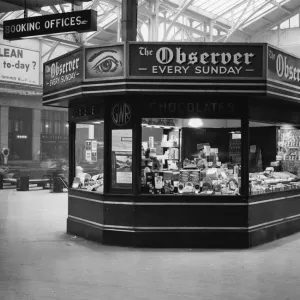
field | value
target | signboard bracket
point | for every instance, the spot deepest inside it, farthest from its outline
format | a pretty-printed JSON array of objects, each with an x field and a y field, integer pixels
[{"x": 25, "y": 9}]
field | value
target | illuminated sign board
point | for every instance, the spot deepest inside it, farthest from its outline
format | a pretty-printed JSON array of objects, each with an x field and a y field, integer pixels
[
  {"x": 63, "y": 72},
  {"x": 283, "y": 67},
  {"x": 195, "y": 60}
]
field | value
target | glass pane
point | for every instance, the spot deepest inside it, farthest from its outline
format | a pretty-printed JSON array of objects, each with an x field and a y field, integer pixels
[
  {"x": 294, "y": 21},
  {"x": 122, "y": 158},
  {"x": 191, "y": 156},
  {"x": 274, "y": 161},
  {"x": 89, "y": 156},
  {"x": 285, "y": 24}
]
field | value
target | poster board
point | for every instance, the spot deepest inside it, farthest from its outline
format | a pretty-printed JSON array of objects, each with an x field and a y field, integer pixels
[{"x": 122, "y": 169}]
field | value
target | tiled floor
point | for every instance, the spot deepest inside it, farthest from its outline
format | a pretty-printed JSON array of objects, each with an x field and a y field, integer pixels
[{"x": 38, "y": 260}]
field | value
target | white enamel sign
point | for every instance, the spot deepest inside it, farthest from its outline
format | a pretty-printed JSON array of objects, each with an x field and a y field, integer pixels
[{"x": 19, "y": 65}]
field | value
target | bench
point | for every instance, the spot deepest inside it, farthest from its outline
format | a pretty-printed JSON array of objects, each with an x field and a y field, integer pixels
[{"x": 24, "y": 183}]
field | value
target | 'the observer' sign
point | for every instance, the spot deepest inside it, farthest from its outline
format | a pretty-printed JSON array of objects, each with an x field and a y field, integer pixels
[
  {"x": 63, "y": 72},
  {"x": 283, "y": 67},
  {"x": 202, "y": 60},
  {"x": 80, "y": 21}
]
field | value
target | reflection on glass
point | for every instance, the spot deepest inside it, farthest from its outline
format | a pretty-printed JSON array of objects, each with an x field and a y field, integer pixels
[
  {"x": 274, "y": 163},
  {"x": 122, "y": 158},
  {"x": 178, "y": 158},
  {"x": 89, "y": 156}
]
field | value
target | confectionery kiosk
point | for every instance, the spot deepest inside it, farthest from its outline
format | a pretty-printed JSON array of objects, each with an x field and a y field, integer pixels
[{"x": 180, "y": 144}]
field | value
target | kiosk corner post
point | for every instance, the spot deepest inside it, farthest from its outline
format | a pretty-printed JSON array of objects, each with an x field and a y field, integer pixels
[{"x": 245, "y": 151}]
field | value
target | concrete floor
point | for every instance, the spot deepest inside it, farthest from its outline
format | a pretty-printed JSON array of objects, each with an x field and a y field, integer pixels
[{"x": 38, "y": 260}]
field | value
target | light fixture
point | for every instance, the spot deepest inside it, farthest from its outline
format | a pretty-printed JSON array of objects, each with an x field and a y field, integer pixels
[
  {"x": 97, "y": 122},
  {"x": 67, "y": 125},
  {"x": 47, "y": 126},
  {"x": 286, "y": 126},
  {"x": 195, "y": 123}
]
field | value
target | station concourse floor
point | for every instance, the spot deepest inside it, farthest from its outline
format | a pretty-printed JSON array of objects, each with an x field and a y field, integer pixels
[{"x": 38, "y": 261}]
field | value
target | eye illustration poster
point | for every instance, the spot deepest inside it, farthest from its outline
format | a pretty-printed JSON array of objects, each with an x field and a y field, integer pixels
[{"x": 104, "y": 62}]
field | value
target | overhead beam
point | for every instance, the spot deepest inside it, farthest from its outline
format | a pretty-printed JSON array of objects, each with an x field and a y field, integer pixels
[
  {"x": 181, "y": 9},
  {"x": 51, "y": 51},
  {"x": 55, "y": 10},
  {"x": 278, "y": 22},
  {"x": 253, "y": 13},
  {"x": 275, "y": 3},
  {"x": 15, "y": 7},
  {"x": 229, "y": 10},
  {"x": 236, "y": 26},
  {"x": 95, "y": 4}
]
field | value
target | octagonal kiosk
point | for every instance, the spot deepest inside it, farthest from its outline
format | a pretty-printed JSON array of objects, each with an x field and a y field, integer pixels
[{"x": 180, "y": 144}]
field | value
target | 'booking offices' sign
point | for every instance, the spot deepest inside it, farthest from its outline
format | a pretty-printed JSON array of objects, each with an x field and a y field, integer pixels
[{"x": 80, "y": 21}]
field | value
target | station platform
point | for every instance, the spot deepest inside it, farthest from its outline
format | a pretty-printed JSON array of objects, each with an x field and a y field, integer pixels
[{"x": 39, "y": 261}]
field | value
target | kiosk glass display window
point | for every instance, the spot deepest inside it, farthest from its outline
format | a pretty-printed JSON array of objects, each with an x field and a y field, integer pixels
[
  {"x": 89, "y": 156},
  {"x": 191, "y": 156},
  {"x": 274, "y": 158}
]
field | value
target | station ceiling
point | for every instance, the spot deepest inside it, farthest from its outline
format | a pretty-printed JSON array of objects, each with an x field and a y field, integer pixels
[
  {"x": 35, "y": 5},
  {"x": 167, "y": 20}
]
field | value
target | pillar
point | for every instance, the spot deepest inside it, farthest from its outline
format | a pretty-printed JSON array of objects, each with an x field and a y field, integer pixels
[
  {"x": 153, "y": 24},
  {"x": 4, "y": 121},
  {"x": 36, "y": 134},
  {"x": 129, "y": 20}
]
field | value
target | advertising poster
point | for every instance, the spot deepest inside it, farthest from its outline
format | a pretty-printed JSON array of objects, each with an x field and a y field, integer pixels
[
  {"x": 195, "y": 60},
  {"x": 104, "y": 62},
  {"x": 123, "y": 167},
  {"x": 64, "y": 72},
  {"x": 88, "y": 155},
  {"x": 19, "y": 65},
  {"x": 94, "y": 145},
  {"x": 283, "y": 67}
]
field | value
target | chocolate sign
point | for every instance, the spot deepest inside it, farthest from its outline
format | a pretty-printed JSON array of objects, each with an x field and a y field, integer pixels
[
  {"x": 154, "y": 59},
  {"x": 192, "y": 107}
]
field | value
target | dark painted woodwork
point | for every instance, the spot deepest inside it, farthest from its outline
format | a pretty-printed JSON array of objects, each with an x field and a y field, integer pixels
[
  {"x": 245, "y": 153},
  {"x": 87, "y": 194},
  {"x": 72, "y": 166},
  {"x": 272, "y": 110},
  {"x": 274, "y": 195},
  {"x": 165, "y": 239},
  {"x": 118, "y": 214},
  {"x": 87, "y": 210},
  {"x": 191, "y": 216},
  {"x": 274, "y": 210},
  {"x": 272, "y": 233},
  {"x": 192, "y": 239},
  {"x": 176, "y": 198},
  {"x": 84, "y": 230}
]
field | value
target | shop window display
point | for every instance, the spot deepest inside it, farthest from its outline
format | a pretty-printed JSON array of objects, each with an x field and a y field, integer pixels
[
  {"x": 274, "y": 158},
  {"x": 191, "y": 156},
  {"x": 89, "y": 156}
]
